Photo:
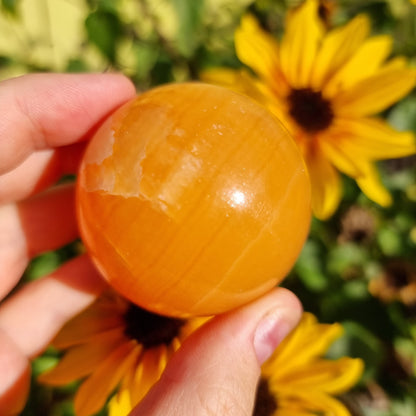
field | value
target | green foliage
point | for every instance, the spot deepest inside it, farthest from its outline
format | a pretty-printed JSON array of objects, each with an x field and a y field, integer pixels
[
  {"x": 403, "y": 115},
  {"x": 9, "y": 5},
  {"x": 189, "y": 15},
  {"x": 335, "y": 277},
  {"x": 104, "y": 31}
]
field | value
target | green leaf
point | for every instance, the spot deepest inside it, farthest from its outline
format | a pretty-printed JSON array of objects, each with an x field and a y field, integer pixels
[
  {"x": 44, "y": 363},
  {"x": 403, "y": 115},
  {"x": 406, "y": 349},
  {"x": 104, "y": 30},
  {"x": 359, "y": 342},
  {"x": 309, "y": 268},
  {"x": 399, "y": 180},
  {"x": 141, "y": 58},
  {"x": 189, "y": 15},
  {"x": 76, "y": 65},
  {"x": 389, "y": 241},
  {"x": 10, "y": 5},
  {"x": 346, "y": 257},
  {"x": 162, "y": 71},
  {"x": 49, "y": 261},
  {"x": 42, "y": 265}
]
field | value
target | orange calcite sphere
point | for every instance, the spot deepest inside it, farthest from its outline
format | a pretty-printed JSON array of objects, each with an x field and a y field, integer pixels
[{"x": 193, "y": 200}]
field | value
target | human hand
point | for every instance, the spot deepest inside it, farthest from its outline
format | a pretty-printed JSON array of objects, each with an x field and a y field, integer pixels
[{"x": 45, "y": 121}]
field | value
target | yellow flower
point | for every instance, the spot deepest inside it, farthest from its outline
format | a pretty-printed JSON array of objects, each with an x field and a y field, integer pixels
[
  {"x": 115, "y": 345},
  {"x": 326, "y": 86},
  {"x": 297, "y": 381}
]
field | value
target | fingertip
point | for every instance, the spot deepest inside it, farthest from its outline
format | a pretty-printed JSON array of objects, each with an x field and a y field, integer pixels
[
  {"x": 120, "y": 82},
  {"x": 43, "y": 111},
  {"x": 278, "y": 301},
  {"x": 276, "y": 324},
  {"x": 218, "y": 366}
]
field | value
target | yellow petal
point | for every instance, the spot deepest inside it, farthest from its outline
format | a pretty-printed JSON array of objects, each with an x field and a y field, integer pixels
[
  {"x": 292, "y": 404},
  {"x": 243, "y": 82},
  {"x": 349, "y": 163},
  {"x": 373, "y": 139},
  {"x": 363, "y": 64},
  {"x": 309, "y": 340},
  {"x": 260, "y": 51},
  {"x": 313, "y": 402},
  {"x": 291, "y": 343},
  {"x": 329, "y": 376},
  {"x": 349, "y": 372},
  {"x": 326, "y": 184},
  {"x": 372, "y": 187},
  {"x": 81, "y": 360},
  {"x": 104, "y": 314},
  {"x": 221, "y": 76},
  {"x": 192, "y": 325},
  {"x": 398, "y": 62},
  {"x": 96, "y": 389},
  {"x": 237, "y": 80},
  {"x": 304, "y": 31},
  {"x": 314, "y": 342},
  {"x": 120, "y": 404},
  {"x": 375, "y": 93},
  {"x": 337, "y": 48},
  {"x": 80, "y": 331},
  {"x": 283, "y": 411},
  {"x": 152, "y": 364}
]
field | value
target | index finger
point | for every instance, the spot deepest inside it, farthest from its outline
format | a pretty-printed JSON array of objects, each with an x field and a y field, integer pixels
[{"x": 41, "y": 111}]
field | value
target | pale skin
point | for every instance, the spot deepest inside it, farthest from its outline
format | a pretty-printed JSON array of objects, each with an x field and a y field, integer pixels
[{"x": 46, "y": 120}]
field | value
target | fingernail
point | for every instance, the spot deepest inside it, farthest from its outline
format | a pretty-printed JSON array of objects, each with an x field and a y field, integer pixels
[{"x": 270, "y": 332}]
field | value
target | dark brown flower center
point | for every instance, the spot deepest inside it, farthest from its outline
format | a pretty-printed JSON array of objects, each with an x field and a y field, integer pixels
[
  {"x": 150, "y": 329},
  {"x": 310, "y": 110},
  {"x": 398, "y": 275},
  {"x": 357, "y": 225},
  {"x": 266, "y": 403}
]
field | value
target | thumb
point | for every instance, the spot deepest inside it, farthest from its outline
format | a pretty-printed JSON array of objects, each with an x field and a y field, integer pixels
[{"x": 216, "y": 370}]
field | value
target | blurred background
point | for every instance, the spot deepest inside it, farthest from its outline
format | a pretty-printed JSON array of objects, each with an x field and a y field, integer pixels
[{"x": 358, "y": 268}]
